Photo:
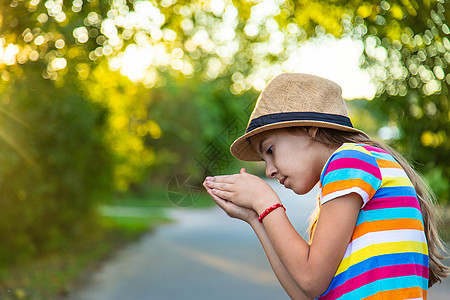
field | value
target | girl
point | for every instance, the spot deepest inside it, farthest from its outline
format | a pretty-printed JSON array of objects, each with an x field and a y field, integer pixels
[{"x": 374, "y": 236}]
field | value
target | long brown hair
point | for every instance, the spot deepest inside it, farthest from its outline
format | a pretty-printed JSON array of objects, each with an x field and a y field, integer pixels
[{"x": 427, "y": 201}]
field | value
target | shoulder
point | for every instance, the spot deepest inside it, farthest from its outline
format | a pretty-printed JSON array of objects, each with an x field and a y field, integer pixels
[
  {"x": 351, "y": 168},
  {"x": 353, "y": 150},
  {"x": 348, "y": 156}
]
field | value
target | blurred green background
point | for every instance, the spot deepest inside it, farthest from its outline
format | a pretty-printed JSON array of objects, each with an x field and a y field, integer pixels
[{"x": 106, "y": 103}]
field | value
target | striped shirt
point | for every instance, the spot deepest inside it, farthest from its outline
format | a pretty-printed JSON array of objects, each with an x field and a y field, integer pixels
[{"x": 387, "y": 257}]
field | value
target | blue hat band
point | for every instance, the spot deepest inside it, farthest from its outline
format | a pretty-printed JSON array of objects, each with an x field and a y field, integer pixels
[{"x": 298, "y": 116}]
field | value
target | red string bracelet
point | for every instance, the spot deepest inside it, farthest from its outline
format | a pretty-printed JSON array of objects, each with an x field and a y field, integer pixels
[{"x": 269, "y": 210}]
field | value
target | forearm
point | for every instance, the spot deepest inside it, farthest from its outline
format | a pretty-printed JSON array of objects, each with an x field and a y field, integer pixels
[
  {"x": 286, "y": 280},
  {"x": 313, "y": 266},
  {"x": 293, "y": 253}
]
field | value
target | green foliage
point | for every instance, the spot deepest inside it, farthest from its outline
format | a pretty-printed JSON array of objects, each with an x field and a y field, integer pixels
[
  {"x": 198, "y": 120},
  {"x": 87, "y": 129},
  {"x": 438, "y": 181},
  {"x": 54, "y": 165},
  {"x": 60, "y": 273},
  {"x": 407, "y": 51},
  {"x": 424, "y": 125},
  {"x": 127, "y": 124}
]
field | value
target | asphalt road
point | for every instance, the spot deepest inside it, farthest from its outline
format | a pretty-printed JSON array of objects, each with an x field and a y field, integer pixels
[{"x": 205, "y": 255}]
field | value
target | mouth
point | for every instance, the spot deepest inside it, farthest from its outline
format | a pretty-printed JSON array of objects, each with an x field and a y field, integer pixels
[{"x": 282, "y": 180}]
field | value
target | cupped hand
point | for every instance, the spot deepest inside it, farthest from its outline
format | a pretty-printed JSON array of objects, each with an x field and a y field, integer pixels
[
  {"x": 243, "y": 189},
  {"x": 231, "y": 209}
]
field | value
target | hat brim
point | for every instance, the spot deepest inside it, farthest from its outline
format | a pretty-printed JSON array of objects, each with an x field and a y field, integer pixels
[{"x": 243, "y": 150}]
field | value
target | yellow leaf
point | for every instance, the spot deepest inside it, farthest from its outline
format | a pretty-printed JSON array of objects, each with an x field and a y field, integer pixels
[
  {"x": 365, "y": 10},
  {"x": 154, "y": 129},
  {"x": 397, "y": 12},
  {"x": 427, "y": 138}
]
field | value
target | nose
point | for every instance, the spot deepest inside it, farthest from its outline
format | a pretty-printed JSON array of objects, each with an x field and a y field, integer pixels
[{"x": 271, "y": 171}]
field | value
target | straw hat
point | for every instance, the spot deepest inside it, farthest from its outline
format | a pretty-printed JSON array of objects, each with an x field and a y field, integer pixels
[{"x": 294, "y": 99}]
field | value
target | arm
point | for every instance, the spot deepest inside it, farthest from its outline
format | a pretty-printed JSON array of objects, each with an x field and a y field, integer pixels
[
  {"x": 250, "y": 216},
  {"x": 286, "y": 280},
  {"x": 313, "y": 266}
]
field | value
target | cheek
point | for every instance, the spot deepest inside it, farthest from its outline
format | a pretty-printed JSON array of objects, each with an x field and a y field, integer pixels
[
  {"x": 303, "y": 186},
  {"x": 304, "y": 178}
]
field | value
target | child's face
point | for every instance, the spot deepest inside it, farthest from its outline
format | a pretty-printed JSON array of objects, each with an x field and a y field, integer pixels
[{"x": 294, "y": 159}]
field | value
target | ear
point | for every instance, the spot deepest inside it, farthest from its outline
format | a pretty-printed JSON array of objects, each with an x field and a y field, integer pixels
[{"x": 313, "y": 131}]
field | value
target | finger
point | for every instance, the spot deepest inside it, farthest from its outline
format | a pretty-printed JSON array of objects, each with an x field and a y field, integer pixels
[
  {"x": 225, "y": 205},
  {"x": 209, "y": 190},
  {"x": 224, "y": 178},
  {"x": 220, "y": 185},
  {"x": 219, "y": 201},
  {"x": 205, "y": 184},
  {"x": 222, "y": 194}
]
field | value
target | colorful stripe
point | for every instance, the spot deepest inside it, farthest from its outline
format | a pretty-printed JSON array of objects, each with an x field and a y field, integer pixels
[
  {"x": 384, "y": 225},
  {"x": 392, "y": 202},
  {"x": 403, "y": 235},
  {"x": 352, "y": 163},
  {"x": 377, "y": 262},
  {"x": 377, "y": 274},
  {"x": 348, "y": 184},
  {"x": 406, "y": 191},
  {"x": 381, "y": 249},
  {"x": 414, "y": 293},
  {"x": 388, "y": 284},
  {"x": 389, "y": 213},
  {"x": 387, "y": 257},
  {"x": 340, "y": 193}
]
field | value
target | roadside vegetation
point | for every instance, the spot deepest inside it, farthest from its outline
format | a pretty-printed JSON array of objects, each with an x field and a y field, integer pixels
[
  {"x": 113, "y": 110},
  {"x": 123, "y": 220}
]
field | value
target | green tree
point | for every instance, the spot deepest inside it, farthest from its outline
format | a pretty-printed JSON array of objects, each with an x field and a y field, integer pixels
[
  {"x": 61, "y": 88},
  {"x": 68, "y": 41},
  {"x": 55, "y": 166},
  {"x": 198, "y": 126},
  {"x": 406, "y": 49}
]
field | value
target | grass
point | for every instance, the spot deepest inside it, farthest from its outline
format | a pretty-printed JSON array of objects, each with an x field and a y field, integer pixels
[
  {"x": 58, "y": 273},
  {"x": 122, "y": 220}
]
